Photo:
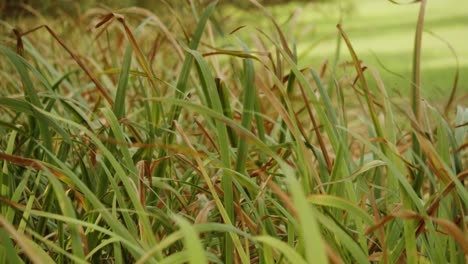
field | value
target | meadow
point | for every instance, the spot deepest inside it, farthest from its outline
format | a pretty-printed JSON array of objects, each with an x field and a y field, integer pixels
[{"x": 210, "y": 134}]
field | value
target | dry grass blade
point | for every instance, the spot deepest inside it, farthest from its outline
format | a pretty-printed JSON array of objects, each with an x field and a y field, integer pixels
[
  {"x": 450, "y": 227},
  {"x": 207, "y": 135},
  {"x": 155, "y": 20},
  {"x": 433, "y": 158}
]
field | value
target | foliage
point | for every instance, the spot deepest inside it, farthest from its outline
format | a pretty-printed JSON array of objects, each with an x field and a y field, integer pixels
[
  {"x": 177, "y": 142},
  {"x": 15, "y": 8},
  {"x": 247, "y": 4}
]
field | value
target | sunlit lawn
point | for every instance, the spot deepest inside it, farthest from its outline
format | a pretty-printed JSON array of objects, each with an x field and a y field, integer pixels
[{"x": 382, "y": 31}]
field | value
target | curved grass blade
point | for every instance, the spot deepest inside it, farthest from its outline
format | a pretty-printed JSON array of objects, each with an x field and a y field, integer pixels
[
  {"x": 416, "y": 89},
  {"x": 8, "y": 252},
  {"x": 247, "y": 111},
  {"x": 24, "y": 107},
  {"x": 341, "y": 203},
  {"x": 67, "y": 209},
  {"x": 221, "y": 207},
  {"x": 368, "y": 96}
]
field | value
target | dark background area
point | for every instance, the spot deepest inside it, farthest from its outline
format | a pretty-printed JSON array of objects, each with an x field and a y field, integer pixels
[{"x": 14, "y": 8}]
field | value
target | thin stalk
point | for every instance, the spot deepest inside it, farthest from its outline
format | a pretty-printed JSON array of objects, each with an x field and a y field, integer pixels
[{"x": 416, "y": 89}]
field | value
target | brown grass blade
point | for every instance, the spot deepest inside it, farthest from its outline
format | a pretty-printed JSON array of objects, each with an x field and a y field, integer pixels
[
  {"x": 369, "y": 100},
  {"x": 380, "y": 229},
  {"x": 450, "y": 227},
  {"x": 19, "y": 42},
  {"x": 456, "y": 76},
  {"x": 432, "y": 209},
  {"x": 155, "y": 20},
  {"x": 416, "y": 78}
]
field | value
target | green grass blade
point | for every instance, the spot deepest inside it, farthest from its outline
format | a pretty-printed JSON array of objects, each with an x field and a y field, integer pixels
[
  {"x": 182, "y": 81},
  {"x": 120, "y": 172},
  {"x": 348, "y": 242},
  {"x": 338, "y": 202},
  {"x": 192, "y": 242},
  {"x": 247, "y": 112},
  {"x": 309, "y": 228},
  {"x": 176, "y": 258},
  {"x": 222, "y": 138},
  {"x": 8, "y": 252},
  {"x": 284, "y": 248},
  {"x": 67, "y": 209},
  {"x": 25, "y": 107}
]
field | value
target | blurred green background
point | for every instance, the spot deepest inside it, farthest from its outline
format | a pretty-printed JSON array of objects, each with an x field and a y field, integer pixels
[{"x": 381, "y": 32}]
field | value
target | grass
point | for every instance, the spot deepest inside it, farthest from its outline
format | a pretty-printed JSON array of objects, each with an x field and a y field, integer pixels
[
  {"x": 128, "y": 137},
  {"x": 383, "y": 34}
]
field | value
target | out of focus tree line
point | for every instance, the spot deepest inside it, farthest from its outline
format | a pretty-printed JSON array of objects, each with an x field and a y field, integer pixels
[{"x": 15, "y": 8}]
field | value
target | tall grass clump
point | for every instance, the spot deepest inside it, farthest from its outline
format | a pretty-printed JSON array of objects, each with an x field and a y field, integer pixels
[{"x": 134, "y": 138}]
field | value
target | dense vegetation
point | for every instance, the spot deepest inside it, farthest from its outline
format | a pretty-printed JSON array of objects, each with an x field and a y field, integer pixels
[
  {"x": 10, "y": 8},
  {"x": 126, "y": 137}
]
